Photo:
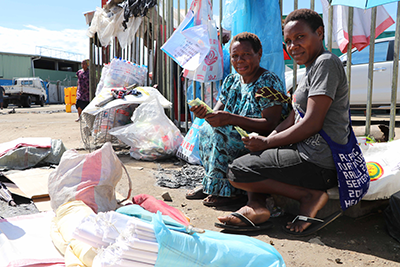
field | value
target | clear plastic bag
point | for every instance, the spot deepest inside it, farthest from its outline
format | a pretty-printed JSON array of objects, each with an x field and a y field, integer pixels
[{"x": 152, "y": 135}]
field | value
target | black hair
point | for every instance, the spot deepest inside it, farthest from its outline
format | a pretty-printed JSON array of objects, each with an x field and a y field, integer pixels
[
  {"x": 248, "y": 37},
  {"x": 312, "y": 18}
]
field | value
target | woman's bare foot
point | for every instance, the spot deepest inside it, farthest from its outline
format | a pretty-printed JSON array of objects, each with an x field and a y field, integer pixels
[
  {"x": 254, "y": 211},
  {"x": 309, "y": 206}
]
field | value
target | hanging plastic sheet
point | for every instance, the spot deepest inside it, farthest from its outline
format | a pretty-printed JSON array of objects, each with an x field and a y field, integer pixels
[
  {"x": 216, "y": 87},
  {"x": 195, "y": 45},
  {"x": 262, "y": 18},
  {"x": 188, "y": 46},
  {"x": 113, "y": 24}
]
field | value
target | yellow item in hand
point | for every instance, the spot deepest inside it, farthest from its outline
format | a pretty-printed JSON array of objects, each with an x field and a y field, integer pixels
[
  {"x": 241, "y": 131},
  {"x": 198, "y": 102}
]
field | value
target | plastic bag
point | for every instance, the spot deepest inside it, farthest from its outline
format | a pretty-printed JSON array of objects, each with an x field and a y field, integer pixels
[
  {"x": 212, "y": 67},
  {"x": 383, "y": 165},
  {"x": 195, "y": 45},
  {"x": 188, "y": 45},
  {"x": 29, "y": 156},
  {"x": 104, "y": 73},
  {"x": 189, "y": 149},
  {"x": 102, "y": 25},
  {"x": 109, "y": 25},
  {"x": 110, "y": 118},
  {"x": 91, "y": 178},
  {"x": 152, "y": 135},
  {"x": 122, "y": 74}
]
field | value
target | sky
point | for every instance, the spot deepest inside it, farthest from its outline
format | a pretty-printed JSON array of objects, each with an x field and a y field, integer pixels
[{"x": 61, "y": 25}]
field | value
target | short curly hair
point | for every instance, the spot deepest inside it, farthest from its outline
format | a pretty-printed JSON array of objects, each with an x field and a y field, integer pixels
[
  {"x": 312, "y": 18},
  {"x": 248, "y": 37}
]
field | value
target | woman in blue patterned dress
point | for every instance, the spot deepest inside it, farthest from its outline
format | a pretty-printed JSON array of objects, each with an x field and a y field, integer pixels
[{"x": 238, "y": 105}]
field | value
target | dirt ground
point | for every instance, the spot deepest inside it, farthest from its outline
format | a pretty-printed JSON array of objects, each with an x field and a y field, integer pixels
[{"x": 347, "y": 241}]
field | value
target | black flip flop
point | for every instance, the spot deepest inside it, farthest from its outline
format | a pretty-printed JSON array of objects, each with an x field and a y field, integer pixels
[
  {"x": 197, "y": 193},
  {"x": 316, "y": 224},
  {"x": 249, "y": 227},
  {"x": 226, "y": 201}
]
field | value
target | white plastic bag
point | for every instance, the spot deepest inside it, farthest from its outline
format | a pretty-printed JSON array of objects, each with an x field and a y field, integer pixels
[
  {"x": 383, "y": 163},
  {"x": 152, "y": 135},
  {"x": 188, "y": 45},
  {"x": 189, "y": 149},
  {"x": 102, "y": 25},
  {"x": 91, "y": 178},
  {"x": 211, "y": 68},
  {"x": 195, "y": 46}
]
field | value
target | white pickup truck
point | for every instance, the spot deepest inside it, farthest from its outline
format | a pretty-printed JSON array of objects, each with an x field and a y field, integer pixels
[{"x": 24, "y": 91}]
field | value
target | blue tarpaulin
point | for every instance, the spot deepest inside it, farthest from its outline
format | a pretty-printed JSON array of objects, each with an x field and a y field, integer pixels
[{"x": 263, "y": 18}]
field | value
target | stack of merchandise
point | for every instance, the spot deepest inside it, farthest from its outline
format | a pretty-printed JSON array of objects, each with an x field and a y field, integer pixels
[{"x": 121, "y": 240}]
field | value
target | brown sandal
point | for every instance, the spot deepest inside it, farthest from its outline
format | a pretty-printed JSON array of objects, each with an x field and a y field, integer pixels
[
  {"x": 216, "y": 201},
  {"x": 196, "y": 193}
]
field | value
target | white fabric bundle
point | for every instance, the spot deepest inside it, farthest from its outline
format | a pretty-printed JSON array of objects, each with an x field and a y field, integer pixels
[
  {"x": 110, "y": 257},
  {"x": 121, "y": 240},
  {"x": 102, "y": 229}
]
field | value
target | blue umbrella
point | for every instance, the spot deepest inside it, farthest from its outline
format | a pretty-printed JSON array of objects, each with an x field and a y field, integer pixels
[{"x": 364, "y": 4}]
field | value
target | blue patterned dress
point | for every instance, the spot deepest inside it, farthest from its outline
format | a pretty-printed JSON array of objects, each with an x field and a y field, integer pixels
[{"x": 219, "y": 146}]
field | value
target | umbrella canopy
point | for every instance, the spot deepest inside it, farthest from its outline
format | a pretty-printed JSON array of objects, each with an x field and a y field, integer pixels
[{"x": 364, "y": 4}]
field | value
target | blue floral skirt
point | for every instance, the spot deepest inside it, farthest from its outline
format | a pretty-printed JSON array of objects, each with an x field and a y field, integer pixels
[{"x": 219, "y": 146}]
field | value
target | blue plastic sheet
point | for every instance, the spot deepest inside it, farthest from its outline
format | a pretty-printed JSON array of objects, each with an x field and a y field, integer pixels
[
  {"x": 263, "y": 18},
  {"x": 211, "y": 249}
]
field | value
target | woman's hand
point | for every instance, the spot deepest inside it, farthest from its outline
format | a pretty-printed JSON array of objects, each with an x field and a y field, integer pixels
[
  {"x": 255, "y": 143},
  {"x": 218, "y": 118},
  {"x": 199, "y": 111}
]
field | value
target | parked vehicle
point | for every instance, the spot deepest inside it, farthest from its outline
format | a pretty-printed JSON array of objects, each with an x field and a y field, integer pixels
[
  {"x": 383, "y": 73},
  {"x": 24, "y": 91}
]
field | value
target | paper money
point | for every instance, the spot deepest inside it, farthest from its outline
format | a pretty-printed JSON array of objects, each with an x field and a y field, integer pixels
[
  {"x": 241, "y": 131},
  {"x": 198, "y": 102}
]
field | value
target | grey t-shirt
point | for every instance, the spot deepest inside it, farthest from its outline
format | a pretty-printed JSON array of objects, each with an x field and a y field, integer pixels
[{"x": 325, "y": 76}]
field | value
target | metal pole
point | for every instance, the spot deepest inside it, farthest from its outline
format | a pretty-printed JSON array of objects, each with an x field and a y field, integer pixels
[
  {"x": 178, "y": 71},
  {"x": 100, "y": 62},
  {"x": 349, "y": 46},
  {"x": 370, "y": 72},
  {"x": 143, "y": 30},
  {"x": 158, "y": 74},
  {"x": 212, "y": 83},
  {"x": 164, "y": 69},
  {"x": 186, "y": 87},
  {"x": 392, "y": 123},
  {"x": 330, "y": 21},
  {"x": 312, "y": 4},
  {"x": 296, "y": 5},
  {"x": 153, "y": 67},
  {"x": 171, "y": 63},
  {"x": 92, "y": 71},
  {"x": 149, "y": 48}
]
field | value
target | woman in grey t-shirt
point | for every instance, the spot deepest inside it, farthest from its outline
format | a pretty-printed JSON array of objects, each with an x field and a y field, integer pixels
[{"x": 294, "y": 160}]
